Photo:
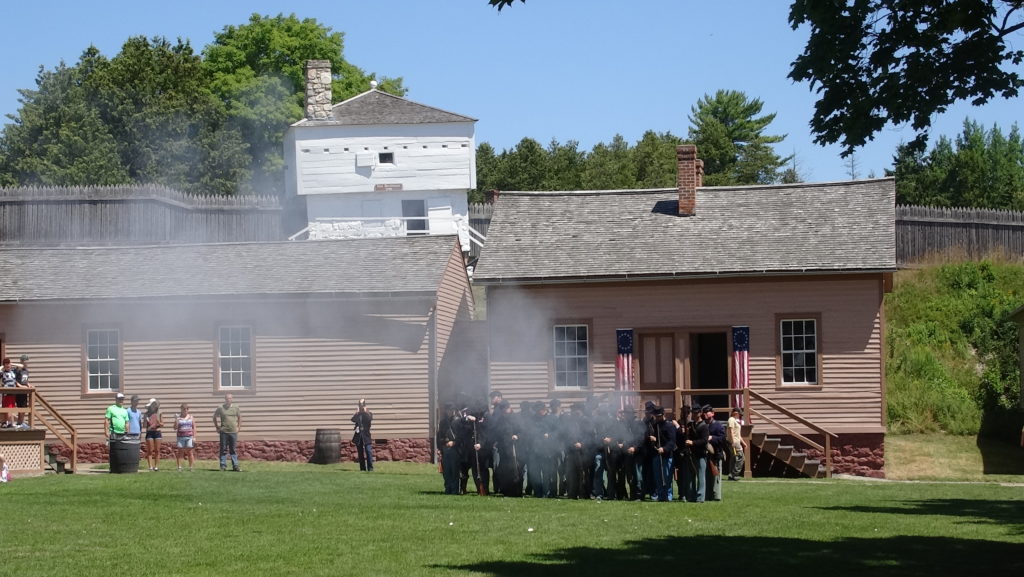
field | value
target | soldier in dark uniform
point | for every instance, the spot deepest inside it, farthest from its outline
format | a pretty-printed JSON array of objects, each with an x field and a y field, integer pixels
[
  {"x": 606, "y": 451},
  {"x": 545, "y": 448},
  {"x": 475, "y": 450},
  {"x": 578, "y": 440},
  {"x": 697, "y": 441},
  {"x": 558, "y": 422},
  {"x": 718, "y": 445},
  {"x": 646, "y": 457},
  {"x": 447, "y": 450},
  {"x": 662, "y": 444},
  {"x": 684, "y": 461},
  {"x": 504, "y": 432}
]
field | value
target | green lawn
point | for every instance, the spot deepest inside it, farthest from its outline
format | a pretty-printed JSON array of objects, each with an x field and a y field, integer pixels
[{"x": 296, "y": 519}]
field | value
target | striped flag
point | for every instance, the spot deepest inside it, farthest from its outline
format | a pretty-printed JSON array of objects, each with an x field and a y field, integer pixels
[
  {"x": 624, "y": 364},
  {"x": 740, "y": 362}
]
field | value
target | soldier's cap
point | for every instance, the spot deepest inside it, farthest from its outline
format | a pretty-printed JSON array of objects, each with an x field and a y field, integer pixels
[
  {"x": 707, "y": 409},
  {"x": 649, "y": 405},
  {"x": 24, "y": 358},
  {"x": 695, "y": 410},
  {"x": 658, "y": 411},
  {"x": 504, "y": 405},
  {"x": 495, "y": 394},
  {"x": 556, "y": 403}
]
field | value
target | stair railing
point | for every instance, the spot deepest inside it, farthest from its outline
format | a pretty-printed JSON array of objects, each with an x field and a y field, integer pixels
[
  {"x": 826, "y": 449},
  {"x": 71, "y": 437}
]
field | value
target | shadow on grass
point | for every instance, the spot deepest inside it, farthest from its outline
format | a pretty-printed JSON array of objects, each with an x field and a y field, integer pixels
[
  {"x": 1007, "y": 513},
  {"x": 999, "y": 457},
  {"x": 768, "y": 556}
]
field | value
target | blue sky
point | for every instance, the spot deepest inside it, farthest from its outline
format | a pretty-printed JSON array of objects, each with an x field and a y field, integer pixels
[{"x": 579, "y": 70}]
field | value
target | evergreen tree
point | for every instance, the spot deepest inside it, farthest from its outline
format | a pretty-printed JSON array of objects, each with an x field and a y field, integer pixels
[{"x": 730, "y": 138}]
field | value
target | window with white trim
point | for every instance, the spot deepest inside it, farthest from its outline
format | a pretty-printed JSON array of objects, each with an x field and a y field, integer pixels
[
  {"x": 572, "y": 356},
  {"x": 103, "y": 359},
  {"x": 235, "y": 357},
  {"x": 799, "y": 349}
]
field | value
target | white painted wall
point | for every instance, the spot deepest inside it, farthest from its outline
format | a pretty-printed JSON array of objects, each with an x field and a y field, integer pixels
[{"x": 330, "y": 160}]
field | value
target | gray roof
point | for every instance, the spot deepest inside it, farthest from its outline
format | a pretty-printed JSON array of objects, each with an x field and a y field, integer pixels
[
  {"x": 359, "y": 267},
  {"x": 376, "y": 107},
  {"x": 637, "y": 234}
]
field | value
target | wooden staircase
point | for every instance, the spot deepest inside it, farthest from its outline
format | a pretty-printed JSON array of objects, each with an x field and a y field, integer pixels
[{"x": 786, "y": 455}]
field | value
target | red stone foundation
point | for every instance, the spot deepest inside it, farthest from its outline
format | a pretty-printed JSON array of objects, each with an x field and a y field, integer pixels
[
  {"x": 861, "y": 454},
  {"x": 412, "y": 450}
]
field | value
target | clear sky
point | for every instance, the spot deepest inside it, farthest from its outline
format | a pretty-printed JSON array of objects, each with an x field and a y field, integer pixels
[{"x": 579, "y": 70}]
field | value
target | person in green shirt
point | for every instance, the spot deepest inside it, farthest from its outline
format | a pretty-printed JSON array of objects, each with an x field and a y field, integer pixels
[
  {"x": 228, "y": 419},
  {"x": 116, "y": 419}
]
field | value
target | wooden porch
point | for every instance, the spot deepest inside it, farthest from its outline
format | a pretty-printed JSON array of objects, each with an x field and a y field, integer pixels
[{"x": 25, "y": 449}]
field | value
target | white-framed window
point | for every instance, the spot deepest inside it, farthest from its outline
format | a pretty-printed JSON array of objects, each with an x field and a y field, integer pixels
[
  {"x": 234, "y": 354},
  {"x": 571, "y": 356},
  {"x": 798, "y": 349},
  {"x": 103, "y": 359},
  {"x": 415, "y": 213}
]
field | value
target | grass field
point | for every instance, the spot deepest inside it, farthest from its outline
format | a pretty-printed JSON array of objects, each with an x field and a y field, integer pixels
[{"x": 296, "y": 519}]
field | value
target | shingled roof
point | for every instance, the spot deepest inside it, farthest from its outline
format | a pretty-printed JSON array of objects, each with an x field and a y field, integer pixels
[
  {"x": 376, "y": 107},
  {"x": 359, "y": 267},
  {"x": 737, "y": 231}
]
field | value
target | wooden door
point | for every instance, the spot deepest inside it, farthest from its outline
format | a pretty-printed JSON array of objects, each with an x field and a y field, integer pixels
[{"x": 657, "y": 356}]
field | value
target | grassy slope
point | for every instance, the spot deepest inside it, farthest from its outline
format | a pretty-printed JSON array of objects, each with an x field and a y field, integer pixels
[
  {"x": 293, "y": 519},
  {"x": 950, "y": 345}
]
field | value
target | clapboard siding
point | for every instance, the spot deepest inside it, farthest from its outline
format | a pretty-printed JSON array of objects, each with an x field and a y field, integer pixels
[
  {"x": 850, "y": 335},
  {"x": 454, "y": 300},
  {"x": 312, "y": 360},
  {"x": 422, "y": 161}
]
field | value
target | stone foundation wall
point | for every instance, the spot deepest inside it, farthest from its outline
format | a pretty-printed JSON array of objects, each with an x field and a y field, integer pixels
[
  {"x": 414, "y": 450},
  {"x": 861, "y": 454}
]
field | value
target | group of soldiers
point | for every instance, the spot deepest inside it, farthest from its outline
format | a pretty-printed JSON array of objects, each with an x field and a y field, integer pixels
[{"x": 587, "y": 452}]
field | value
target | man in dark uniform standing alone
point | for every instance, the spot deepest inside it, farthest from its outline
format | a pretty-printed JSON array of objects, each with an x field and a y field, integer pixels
[{"x": 362, "y": 420}]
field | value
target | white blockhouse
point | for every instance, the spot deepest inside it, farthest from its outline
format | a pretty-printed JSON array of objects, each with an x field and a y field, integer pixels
[{"x": 379, "y": 165}]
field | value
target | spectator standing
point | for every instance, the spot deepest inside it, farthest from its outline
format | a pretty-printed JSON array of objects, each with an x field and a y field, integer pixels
[
  {"x": 21, "y": 375},
  {"x": 227, "y": 419},
  {"x": 154, "y": 424},
  {"x": 734, "y": 436},
  {"x": 115, "y": 421},
  {"x": 134, "y": 418},
  {"x": 185, "y": 431},
  {"x": 8, "y": 380},
  {"x": 362, "y": 421}
]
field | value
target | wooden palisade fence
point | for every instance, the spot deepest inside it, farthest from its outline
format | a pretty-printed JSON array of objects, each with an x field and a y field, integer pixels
[{"x": 101, "y": 215}]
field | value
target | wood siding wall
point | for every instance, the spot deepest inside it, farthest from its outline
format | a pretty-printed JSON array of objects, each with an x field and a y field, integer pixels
[
  {"x": 313, "y": 359},
  {"x": 329, "y": 164},
  {"x": 849, "y": 398},
  {"x": 133, "y": 215}
]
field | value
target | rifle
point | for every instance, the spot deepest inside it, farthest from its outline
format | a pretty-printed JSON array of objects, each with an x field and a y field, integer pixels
[{"x": 476, "y": 471}]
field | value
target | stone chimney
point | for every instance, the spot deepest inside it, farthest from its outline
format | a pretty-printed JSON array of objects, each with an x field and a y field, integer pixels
[
  {"x": 318, "y": 89},
  {"x": 689, "y": 177}
]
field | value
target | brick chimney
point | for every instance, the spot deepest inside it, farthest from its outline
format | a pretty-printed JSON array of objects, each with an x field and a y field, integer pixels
[
  {"x": 689, "y": 177},
  {"x": 318, "y": 89}
]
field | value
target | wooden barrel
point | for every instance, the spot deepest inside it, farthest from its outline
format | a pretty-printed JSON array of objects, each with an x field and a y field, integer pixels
[
  {"x": 124, "y": 455},
  {"x": 327, "y": 447}
]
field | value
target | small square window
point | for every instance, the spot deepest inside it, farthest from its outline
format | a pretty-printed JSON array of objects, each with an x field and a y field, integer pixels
[{"x": 386, "y": 158}]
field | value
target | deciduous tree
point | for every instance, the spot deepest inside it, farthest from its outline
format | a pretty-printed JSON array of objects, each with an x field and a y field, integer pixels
[{"x": 873, "y": 62}]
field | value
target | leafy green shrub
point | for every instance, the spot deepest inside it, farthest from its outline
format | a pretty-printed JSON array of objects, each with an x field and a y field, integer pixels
[{"x": 952, "y": 351}]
